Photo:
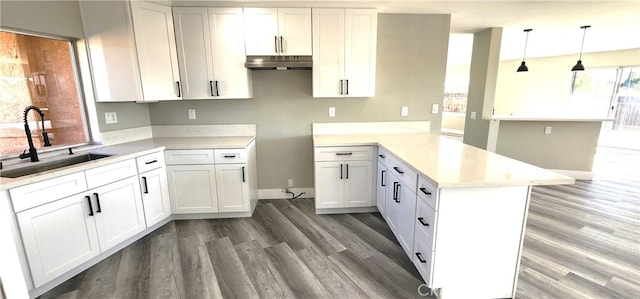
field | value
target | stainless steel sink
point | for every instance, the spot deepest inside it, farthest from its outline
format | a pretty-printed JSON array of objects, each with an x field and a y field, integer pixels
[{"x": 50, "y": 165}]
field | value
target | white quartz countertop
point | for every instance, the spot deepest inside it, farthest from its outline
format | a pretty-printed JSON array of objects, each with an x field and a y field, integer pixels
[
  {"x": 121, "y": 152},
  {"x": 449, "y": 162}
]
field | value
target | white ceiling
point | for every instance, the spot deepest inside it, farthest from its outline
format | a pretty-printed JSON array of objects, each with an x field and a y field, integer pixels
[{"x": 555, "y": 24}]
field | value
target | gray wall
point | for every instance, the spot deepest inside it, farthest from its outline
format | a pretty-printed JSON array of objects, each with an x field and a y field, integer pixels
[
  {"x": 130, "y": 115},
  {"x": 411, "y": 65},
  {"x": 570, "y": 146}
]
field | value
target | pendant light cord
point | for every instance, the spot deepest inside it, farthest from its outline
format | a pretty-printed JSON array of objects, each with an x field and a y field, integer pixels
[
  {"x": 526, "y": 40},
  {"x": 584, "y": 32}
]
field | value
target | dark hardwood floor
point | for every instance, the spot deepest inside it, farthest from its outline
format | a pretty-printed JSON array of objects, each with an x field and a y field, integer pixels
[{"x": 582, "y": 241}]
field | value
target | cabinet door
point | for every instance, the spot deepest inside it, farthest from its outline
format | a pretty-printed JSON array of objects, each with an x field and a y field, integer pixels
[
  {"x": 294, "y": 26},
  {"x": 192, "y": 189},
  {"x": 155, "y": 196},
  {"x": 360, "y": 52},
  {"x": 233, "y": 187},
  {"x": 329, "y": 185},
  {"x": 381, "y": 188},
  {"x": 391, "y": 206},
  {"x": 232, "y": 80},
  {"x": 156, "y": 48},
  {"x": 119, "y": 212},
  {"x": 328, "y": 52},
  {"x": 358, "y": 188},
  {"x": 58, "y": 237},
  {"x": 112, "y": 50},
  {"x": 261, "y": 31},
  {"x": 404, "y": 217},
  {"x": 193, "y": 42}
]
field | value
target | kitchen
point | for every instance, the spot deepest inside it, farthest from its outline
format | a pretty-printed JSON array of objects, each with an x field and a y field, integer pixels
[{"x": 285, "y": 147}]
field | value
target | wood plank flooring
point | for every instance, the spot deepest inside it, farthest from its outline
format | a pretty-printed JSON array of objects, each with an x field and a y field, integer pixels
[{"x": 582, "y": 241}]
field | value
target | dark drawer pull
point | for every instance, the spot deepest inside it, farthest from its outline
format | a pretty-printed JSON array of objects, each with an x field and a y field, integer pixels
[
  {"x": 422, "y": 221},
  {"x": 151, "y": 162},
  {"x": 344, "y": 154},
  {"x": 146, "y": 187},
  {"x": 88, "y": 198},
  {"x": 419, "y": 255},
  {"x": 398, "y": 170},
  {"x": 98, "y": 210},
  {"x": 229, "y": 156},
  {"x": 382, "y": 156},
  {"x": 424, "y": 190}
]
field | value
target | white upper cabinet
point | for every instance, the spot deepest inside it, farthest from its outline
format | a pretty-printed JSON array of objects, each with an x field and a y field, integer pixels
[
  {"x": 156, "y": 48},
  {"x": 211, "y": 53},
  {"x": 112, "y": 51},
  {"x": 344, "y": 47},
  {"x": 278, "y": 31}
]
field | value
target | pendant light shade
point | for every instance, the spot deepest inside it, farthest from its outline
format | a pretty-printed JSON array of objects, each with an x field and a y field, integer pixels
[
  {"x": 523, "y": 67},
  {"x": 579, "y": 66}
]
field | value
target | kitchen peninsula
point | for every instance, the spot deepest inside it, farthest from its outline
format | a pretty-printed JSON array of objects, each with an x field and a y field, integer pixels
[{"x": 458, "y": 211}]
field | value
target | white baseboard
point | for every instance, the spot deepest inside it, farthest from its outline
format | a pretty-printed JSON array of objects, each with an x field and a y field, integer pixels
[
  {"x": 278, "y": 194},
  {"x": 576, "y": 174}
]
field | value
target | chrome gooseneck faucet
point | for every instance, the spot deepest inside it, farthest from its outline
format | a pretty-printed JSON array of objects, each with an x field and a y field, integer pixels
[{"x": 33, "y": 154}]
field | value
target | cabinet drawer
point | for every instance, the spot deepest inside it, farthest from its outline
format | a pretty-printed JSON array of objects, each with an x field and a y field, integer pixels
[
  {"x": 426, "y": 221},
  {"x": 428, "y": 191},
  {"x": 343, "y": 153},
  {"x": 383, "y": 156},
  {"x": 110, "y": 173},
  {"x": 228, "y": 156},
  {"x": 173, "y": 157},
  {"x": 423, "y": 257},
  {"x": 39, "y": 193},
  {"x": 406, "y": 174},
  {"x": 150, "y": 161}
]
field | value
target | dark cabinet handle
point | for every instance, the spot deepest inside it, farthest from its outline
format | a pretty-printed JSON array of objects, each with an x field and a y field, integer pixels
[
  {"x": 179, "y": 90},
  {"x": 382, "y": 178},
  {"x": 347, "y": 171},
  {"x": 424, "y": 190},
  {"x": 211, "y": 88},
  {"x": 395, "y": 191},
  {"x": 344, "y": 154},
  {"x": 420, "y": 258},
  {"x": 382, "y": 156},
  {"x": 340, "y": 171},
  {"x": 98, "y": 210},
  {"x": 281, "y": 45},
  {"x": 398, "y": 170},
  {"x": 146, "y": 187},
  {"x": 347, "y": 88},
  {"x": 217, "y": 88},
  {"x": 275, "y": 41},
  {"x": 341, "y": 86},
  {"x": 423, "y": 221},
  {"x": 243, "y": 178},
  {"x": 229, "y": 156},
  {"x": 151, "y": 162},
  {"x": 88, "y": 198}
]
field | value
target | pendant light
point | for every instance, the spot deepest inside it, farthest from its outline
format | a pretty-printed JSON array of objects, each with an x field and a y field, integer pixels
[
  {"x": 579, "y": 66},
  {"x": 523, "y": 67}
]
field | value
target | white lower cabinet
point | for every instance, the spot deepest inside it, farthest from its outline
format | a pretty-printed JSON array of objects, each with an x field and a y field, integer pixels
[
  {"x": 381, "y": 186},
  {"x": 58, "y": 237},
  {"x": 400, "y": 209},
  {"x": 233, "y": 187},
  {"x": 192, "y": 188},
  {"x": 155, "y": 195}
]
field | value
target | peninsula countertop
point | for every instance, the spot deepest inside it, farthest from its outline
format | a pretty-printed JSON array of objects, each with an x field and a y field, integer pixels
[
  {"x": 448, "y": 162},
  {"x": 121, "y": 152}
]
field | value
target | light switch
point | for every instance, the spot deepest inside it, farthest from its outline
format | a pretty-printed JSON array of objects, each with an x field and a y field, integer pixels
[
  {"x": 111, "y": 118},
  {"x": 192, "y": 113},
  {"x": 332, "y": 111},
  {"x": 473, "y": 115},
  {"x": 404, "y": 111},
  {"x": 547, "y": 130},
  {"x": 435, "y": 108}
]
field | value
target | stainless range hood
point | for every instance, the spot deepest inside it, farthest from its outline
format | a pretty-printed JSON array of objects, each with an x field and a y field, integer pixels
[{"x": 279, "y": 62}]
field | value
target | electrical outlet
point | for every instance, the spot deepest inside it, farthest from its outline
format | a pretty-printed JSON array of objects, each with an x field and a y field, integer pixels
[
  {"x": 290, "y": 183},
  {"x": 404, "y": 111},
  {"x": 192, "y": 113},
  {"x": 435, "y": 108},
  {"x": 473, "y": 115},
  {"x": 332, "y": 111},
  {"x": 111, "y": 118},
  {"x": 547, "y": 130}
]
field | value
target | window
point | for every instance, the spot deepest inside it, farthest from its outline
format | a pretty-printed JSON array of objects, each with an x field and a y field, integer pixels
[{"x": 41, "y": 72}]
